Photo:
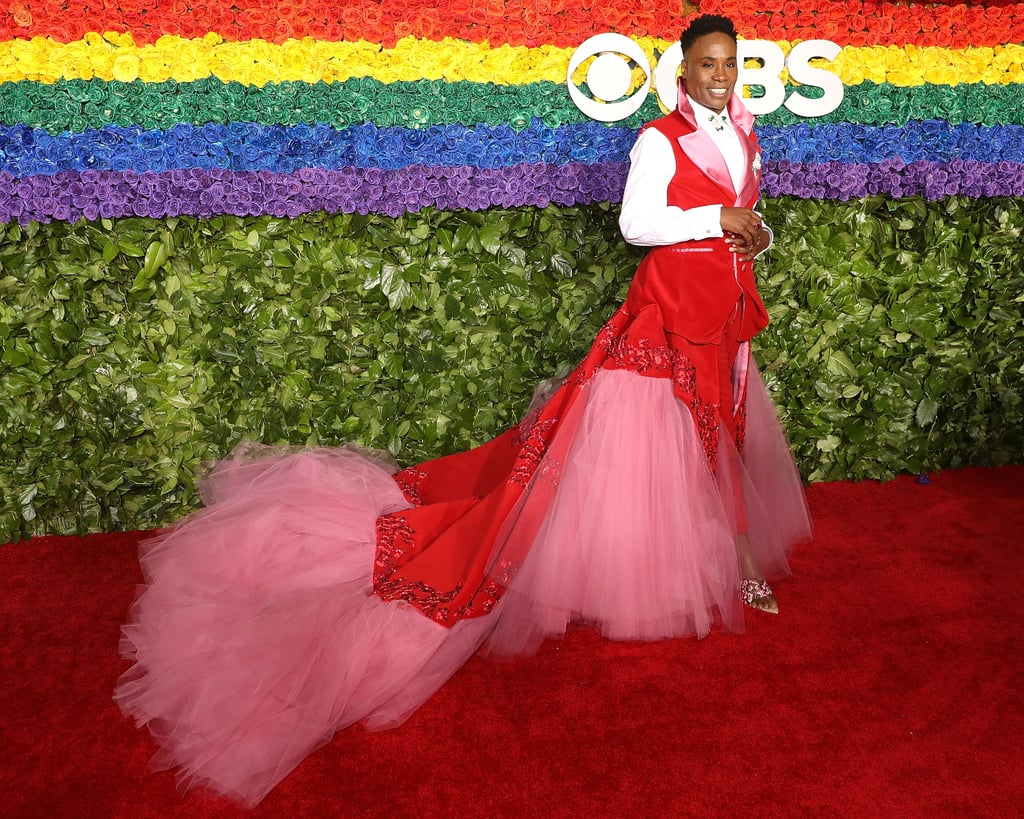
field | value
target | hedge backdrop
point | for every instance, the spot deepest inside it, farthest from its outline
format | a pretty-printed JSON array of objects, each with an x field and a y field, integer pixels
[{"x": 383, "y": 222}]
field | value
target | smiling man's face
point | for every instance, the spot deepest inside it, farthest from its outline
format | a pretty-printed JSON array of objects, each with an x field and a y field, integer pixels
[{"x": 710, "y": 70}]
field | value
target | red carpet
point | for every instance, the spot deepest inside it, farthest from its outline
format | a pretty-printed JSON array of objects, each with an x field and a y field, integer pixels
[{"x": 889, "y": 685}]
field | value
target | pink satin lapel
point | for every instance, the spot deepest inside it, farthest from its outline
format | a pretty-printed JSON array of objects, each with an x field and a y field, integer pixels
[
  {"x": 701, "y": 149},
  {"x": 740, "y": 114}
]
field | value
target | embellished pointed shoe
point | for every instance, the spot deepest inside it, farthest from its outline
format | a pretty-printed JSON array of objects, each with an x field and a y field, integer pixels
[{"x": 757, "y": 594}]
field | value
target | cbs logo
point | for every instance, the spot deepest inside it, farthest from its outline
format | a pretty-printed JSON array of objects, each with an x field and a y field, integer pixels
[{"x": 610, "y": 77}]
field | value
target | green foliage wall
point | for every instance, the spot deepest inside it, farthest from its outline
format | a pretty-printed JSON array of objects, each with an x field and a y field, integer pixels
[{"x": 132, "y": 351}]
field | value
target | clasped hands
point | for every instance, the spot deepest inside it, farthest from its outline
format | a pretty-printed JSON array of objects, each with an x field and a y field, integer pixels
[{"x": 744, "y": 232}]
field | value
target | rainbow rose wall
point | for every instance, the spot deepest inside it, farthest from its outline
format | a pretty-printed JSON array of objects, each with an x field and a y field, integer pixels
[{"x": 385, "y": 222}]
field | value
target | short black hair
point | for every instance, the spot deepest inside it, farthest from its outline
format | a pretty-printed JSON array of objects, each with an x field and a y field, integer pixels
[{"x": 706, "y": 24}]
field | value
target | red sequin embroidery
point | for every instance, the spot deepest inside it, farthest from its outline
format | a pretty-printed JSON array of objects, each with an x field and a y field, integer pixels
[
  {"x": 706, "y": 415},
  {"x": 395, "y": 536},
  {"x": 646, "y": 358},
  {"x": 741, "y": 428},
  {"x": 410, "y": 480},
  {"x": 534, "y": 444}
]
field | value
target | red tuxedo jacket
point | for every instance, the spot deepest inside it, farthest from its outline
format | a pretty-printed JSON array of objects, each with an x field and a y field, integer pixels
[{"x": 697, "y": 284}]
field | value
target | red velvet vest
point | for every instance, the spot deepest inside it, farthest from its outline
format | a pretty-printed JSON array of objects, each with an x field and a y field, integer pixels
[{"x": 697, "y": 284}]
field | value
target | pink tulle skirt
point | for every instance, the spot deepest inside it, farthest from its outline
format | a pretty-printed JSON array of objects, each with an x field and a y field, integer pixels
[{"x": 257, "y": 635}]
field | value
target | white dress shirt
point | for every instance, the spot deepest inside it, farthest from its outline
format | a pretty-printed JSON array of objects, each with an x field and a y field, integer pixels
[{"x": 646, "y": 218}]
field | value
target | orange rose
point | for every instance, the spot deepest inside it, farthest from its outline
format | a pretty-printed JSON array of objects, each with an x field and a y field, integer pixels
[
  {"x": 282, "y": 31},
  {"x": 531, "y": 17},
  {"x": 560, "y": 37},
  {"x": 22, "y": 16},
  {"x": 829, "y": 28},
  {"x": 805, "y": 33},
  {"x": 667, "y": 24},
  {"x": 514, "y": 32},
  {"x": 644, "y": 23},
  {"x": 428, "y": 25},
  {"x": 255, "y": 23},
  {"x": 371, "y": 15},
  {"x": 579, "y": 24}
]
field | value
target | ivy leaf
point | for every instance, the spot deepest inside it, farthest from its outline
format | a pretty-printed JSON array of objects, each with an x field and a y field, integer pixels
[
  {"x": 490, "y": 236},
  {"x": 927, "y": 409}
]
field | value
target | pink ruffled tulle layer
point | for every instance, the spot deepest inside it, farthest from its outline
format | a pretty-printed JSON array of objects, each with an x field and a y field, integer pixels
[
  {"x": 256, "y": 636},
  {"x": 639, "y": 535}
]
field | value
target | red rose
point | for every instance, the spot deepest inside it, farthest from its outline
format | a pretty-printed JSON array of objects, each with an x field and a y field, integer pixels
[
  {"x": 883, "y": 24},
  {"x": 858, "y": 39},
  {"x": 614, "y": 17}
]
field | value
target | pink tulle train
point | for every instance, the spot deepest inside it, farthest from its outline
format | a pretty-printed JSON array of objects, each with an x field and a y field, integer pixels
[{"x": 257, "y": 636}]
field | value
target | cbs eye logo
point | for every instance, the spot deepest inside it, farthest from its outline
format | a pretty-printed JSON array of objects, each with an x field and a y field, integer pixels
[{"x": 614, "y": 58}]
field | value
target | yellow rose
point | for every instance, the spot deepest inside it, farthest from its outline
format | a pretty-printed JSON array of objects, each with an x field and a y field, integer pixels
[
  {"x": 126, "y": 67},
  {"x": 298, "y": 61},
  {"x": 154, "y": 69}
]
